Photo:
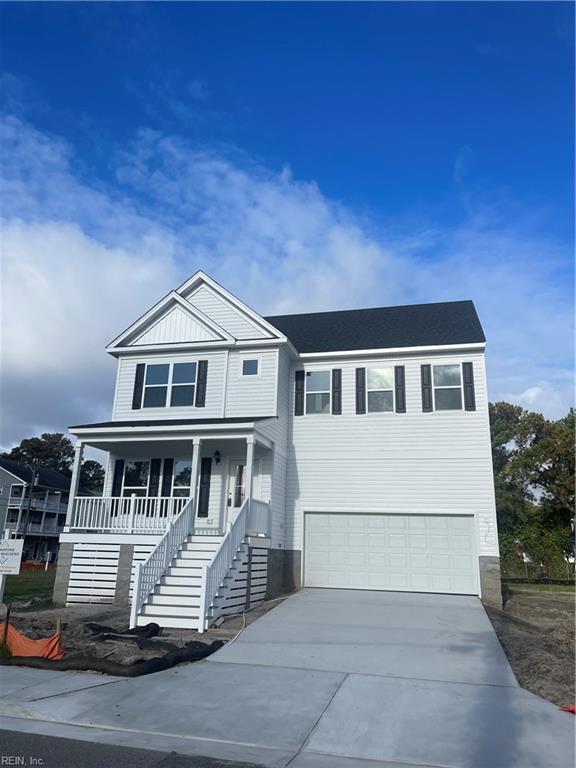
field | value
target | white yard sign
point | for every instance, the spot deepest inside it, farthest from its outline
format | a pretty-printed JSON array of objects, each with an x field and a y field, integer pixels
[{"x": 10, "y": 556}]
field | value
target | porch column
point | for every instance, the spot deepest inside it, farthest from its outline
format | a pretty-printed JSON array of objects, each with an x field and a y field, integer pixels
[
  {"x": 195, "y": 474},
  {"x": 249, "y": 467},
  {"x": 74, "y": 482}
]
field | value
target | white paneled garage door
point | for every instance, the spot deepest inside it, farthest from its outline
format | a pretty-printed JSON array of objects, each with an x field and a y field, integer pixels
[{"x": 413, "y": 553}]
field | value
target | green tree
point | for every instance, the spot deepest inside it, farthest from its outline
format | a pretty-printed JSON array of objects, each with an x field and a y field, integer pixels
[
  {"x": 49, "y": 450},
  {"x": 92, "y": 476}
]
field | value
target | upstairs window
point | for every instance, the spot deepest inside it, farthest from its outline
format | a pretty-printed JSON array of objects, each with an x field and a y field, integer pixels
[
  {"x": 318, "y": 391},
  {"x": 250, "y": 367},
  {"x": 178, "y": 378},
  {"x": 380, "y": 389},
  {"x": 447, "y": 387}
]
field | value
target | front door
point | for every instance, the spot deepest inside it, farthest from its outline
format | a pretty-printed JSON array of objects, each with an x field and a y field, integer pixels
[{"x": 236, "y": 487}]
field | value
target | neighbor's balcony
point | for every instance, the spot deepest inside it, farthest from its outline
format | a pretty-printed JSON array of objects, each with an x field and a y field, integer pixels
[
  {"x": 48, "y": 527},
  {"x": 133, "y": 514},
  {"x": 38, "y": 504}
]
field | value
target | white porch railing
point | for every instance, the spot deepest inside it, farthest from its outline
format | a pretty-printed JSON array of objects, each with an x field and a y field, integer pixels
[
  {"x": 127, "y": 514},
  {"x": 149, "y": 573},
  {"x": 253, "y": 518}
]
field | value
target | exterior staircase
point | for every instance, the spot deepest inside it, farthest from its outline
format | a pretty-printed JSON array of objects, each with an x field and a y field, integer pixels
[{"x": 175, "y": 601}]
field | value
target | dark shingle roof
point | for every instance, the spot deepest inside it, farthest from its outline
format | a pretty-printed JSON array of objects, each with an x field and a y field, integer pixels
[
  {"x": 47, "y": 478},
  {"x": 173, "y": 422},
  {"x": 415, "y": 325}
]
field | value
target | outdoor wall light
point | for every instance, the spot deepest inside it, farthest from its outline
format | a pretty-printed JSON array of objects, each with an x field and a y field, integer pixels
[{"x": 217, "y": 457}]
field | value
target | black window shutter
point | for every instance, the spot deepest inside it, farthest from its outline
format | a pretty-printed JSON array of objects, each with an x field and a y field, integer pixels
[
  {"x": 204, "y": 490},
  {"x": 469, "y": 394},
  {"x": 400, "y": 387},
  {"x": 138, "y": 387},
  {"x": 154, "y": 484},
  {"x": 201, "y": 384},
  {"x": 426, "y": 379},
  {"x": 118, "y": 476},
  {"x": 360, "y": 390},
  {"x": 167, "y": 477},
  {"x": 299, "y": 393},
  {"x": 337, "y": 391}
]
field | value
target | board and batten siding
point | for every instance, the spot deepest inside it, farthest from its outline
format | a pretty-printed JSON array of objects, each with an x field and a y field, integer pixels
[
  {"x": 176, "y": 326},
  {"x": 413, "y": 462},
  {"x": 224, "y": 314}
]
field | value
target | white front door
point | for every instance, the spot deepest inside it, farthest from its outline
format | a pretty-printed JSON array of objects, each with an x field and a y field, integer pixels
[{"x": 236, "y": 488}]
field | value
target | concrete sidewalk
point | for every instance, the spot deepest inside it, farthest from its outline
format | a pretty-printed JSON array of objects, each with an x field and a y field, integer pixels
[{"x": 269, "y": 699}]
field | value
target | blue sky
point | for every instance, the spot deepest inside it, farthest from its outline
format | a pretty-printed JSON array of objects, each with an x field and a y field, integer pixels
[{"x": 308, "y": 155}]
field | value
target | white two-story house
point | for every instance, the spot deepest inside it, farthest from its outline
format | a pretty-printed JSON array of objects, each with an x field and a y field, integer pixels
[{"x": 249, "y": 456}]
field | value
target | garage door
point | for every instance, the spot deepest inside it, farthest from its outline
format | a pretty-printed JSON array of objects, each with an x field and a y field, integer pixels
[{"x": 413, "y": 553}]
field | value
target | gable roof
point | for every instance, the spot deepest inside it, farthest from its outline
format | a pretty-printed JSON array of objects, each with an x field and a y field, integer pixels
[
  {"x": 47, "y": 477},
  {"x": 414, "y": 325}
]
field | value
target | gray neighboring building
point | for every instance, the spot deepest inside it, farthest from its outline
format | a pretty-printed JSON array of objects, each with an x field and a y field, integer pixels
[{"x": 47, "y": 507}]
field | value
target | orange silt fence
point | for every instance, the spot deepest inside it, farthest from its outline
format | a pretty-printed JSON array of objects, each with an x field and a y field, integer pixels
[{"x": 20, "y": 645}]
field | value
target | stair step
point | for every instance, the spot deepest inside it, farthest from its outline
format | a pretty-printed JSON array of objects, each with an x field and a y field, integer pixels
[
  {"x": 180, "y": 601},
  {"x": 186, "y": 580},
  {"x": 170, "y": 622},
  {"x": 177, "y": 592},
  {"x": 196, "y": 537},
  {"x": 200, "y": 546},
  {"x": 185, "y": 571},
  {"x": 186, "y": 611},
  {"x": 202, "y": 555}
]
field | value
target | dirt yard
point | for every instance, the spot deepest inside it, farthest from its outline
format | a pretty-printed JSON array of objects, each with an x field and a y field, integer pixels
[
  {"x": 536, "y": 629},
  {"x": 79, "y": 640}
]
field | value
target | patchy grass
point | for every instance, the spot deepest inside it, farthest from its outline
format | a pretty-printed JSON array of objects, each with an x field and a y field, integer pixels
[{"x": 29, "y": 584}]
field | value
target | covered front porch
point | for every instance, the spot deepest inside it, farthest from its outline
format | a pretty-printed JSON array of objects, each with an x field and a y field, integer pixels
[{"x": 152, "y": 474}]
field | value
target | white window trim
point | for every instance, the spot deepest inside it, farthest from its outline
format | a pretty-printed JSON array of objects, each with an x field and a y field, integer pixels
[
  {"x": 169, "y": 384},
  {"x": 460, "y": 386},
  {"x": 317, "y": 392},
  {"x": 242, "y": 375},
  {"x": 134, "y": 488},
  {"x": 374, "y": 389}
]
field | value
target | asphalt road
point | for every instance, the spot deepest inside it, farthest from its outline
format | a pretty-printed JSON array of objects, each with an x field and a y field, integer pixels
[{"x": 28, "y": 749}]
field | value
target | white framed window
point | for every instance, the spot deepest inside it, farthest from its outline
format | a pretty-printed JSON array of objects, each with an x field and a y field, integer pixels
[
  {"x": 136, "y": 477},
  {"x": 170, "y": 383},
  {"x": 181, "y": 477},
  {"x": 380, "y": 390},
  {"x": 447, "y": 381},
  {"x": 318, "y": 391},
  {"x": 250, "y": 366},
  {"x": 16, "y": 491}
]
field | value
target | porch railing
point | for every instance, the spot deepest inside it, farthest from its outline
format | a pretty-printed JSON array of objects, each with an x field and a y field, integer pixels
[
  {"x": 253, "y": 518},
  {"x": 42, "y": 505},
  {"x": 128, "y": 514},
  {"x": 149, "y": 573}
]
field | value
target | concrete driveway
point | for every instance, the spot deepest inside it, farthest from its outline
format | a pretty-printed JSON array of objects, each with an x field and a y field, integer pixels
[{"x": 328, "y": 679}]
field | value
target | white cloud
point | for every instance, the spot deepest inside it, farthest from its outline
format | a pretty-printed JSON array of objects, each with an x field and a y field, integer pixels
[{"x": 82, "y": 259}]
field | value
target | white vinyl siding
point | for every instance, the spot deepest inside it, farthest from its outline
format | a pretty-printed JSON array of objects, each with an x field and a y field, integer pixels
[
  {"x": 214, "y": 387},
  {"x": 225, "y": 315},
  {"x": 175, "y": 327},
  {"x": 410, "y": 553},
  {"x": 412, "y": 461},
  {"x": 252, "y": 395}
]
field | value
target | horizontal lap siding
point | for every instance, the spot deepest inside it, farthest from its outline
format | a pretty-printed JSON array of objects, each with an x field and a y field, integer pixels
[
  {"x": 93, "y": 573},
  {"x": 125, "y": 387},
  {"x": 390, "y": 462},
  {"x": 223, "y": 313},
  {"x": 277, "y": 430},
  {"x": 252, "y": 395}
]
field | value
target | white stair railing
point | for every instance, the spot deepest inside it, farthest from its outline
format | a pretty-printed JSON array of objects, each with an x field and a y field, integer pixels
[
  {"x": 149, "y": 573},
  {"x": 253, "y": 518},
  {"x": 214, "y": 573}
]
